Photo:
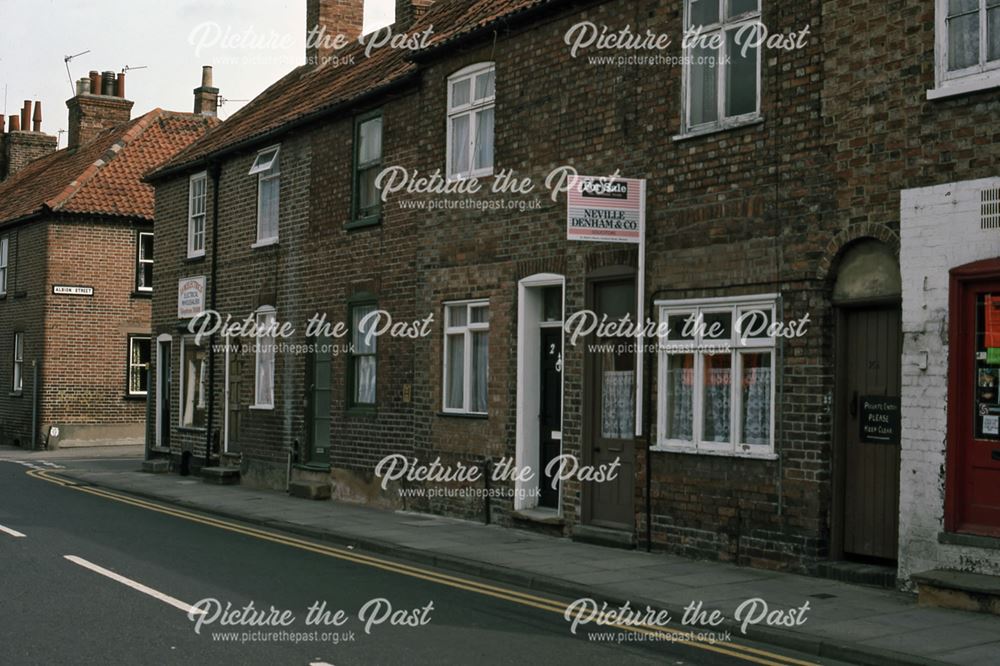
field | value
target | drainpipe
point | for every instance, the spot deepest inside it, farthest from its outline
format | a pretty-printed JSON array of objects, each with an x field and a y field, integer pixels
[
  {"x": 35, "y": 393},
  {"x": 215, "y": 171},
  {"x": 649, "y": 359}
]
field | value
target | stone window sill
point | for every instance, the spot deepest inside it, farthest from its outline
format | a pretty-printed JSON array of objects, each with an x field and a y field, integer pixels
[{"x": 965, "y": 85}]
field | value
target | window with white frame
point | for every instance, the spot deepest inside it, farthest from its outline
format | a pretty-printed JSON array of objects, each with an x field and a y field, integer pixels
[
  {"x": 144, "y": 263},
  {"x": 18, "y": 383},
  {"x": 968, "y": 40},
  {"x": 265, "y": 167},
  {"x": 717, "y": 376},
  {"x": 363, "y": 359},
  {"x": 471, "y": 98},
  {"x": 3, "y": 265},
  {"x": 139, "y": 354},
  {"x": 197, "y": 199},
  {"x": 722, "y": 71},
  {"x": 466, "y": 356},
  {"x": 264, "y": 363},
  {"x": 194, "y": 384}
]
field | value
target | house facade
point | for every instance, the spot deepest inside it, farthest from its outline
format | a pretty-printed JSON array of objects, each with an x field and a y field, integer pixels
[
  {"x": 767, "y": 430},
  {"x": 76, "y": 259}
]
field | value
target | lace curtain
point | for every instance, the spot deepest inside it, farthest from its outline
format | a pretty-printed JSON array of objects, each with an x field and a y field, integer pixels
[
  {"x": 757, "y": 406},
  {"x": 618, "y": 418}
]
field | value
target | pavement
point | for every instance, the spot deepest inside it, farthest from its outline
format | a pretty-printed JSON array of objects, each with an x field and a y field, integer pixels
[{"x": 845, "y": 622}]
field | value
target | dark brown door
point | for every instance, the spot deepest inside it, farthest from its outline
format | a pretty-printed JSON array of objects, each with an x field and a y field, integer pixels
[
  {"x": 163, "y": 394},
  {"x": 872, "y": 345},
  {"x": 550, "y": 413},
  {"x": 610, "y": 409}
]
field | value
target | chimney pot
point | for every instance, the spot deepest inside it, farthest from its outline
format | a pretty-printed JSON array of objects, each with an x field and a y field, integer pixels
[
  {"x": 206, "y": 76},
  {"x": 108, "y": 84},
  {"x": 15, "y": 124},
  {"x": 36, "y": 118},
  {"x": 83, "y": 86},
  {"x": 95, "y": 82},
  {"x": 120, "y": 85},
  {"x": 26, "y": 115}
]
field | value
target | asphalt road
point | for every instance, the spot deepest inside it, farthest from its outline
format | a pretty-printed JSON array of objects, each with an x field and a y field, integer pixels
[{"x": 99, "y": 581}]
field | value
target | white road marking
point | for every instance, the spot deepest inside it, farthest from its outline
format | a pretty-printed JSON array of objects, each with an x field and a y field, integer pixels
[
  {"x": 165, "y": 598},
  {"x": 13, "y": 533},
  {"x": 320, "y": 663}
]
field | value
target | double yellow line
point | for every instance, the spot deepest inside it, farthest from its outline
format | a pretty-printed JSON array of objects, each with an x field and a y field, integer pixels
[{"x": 688, "y": 638}]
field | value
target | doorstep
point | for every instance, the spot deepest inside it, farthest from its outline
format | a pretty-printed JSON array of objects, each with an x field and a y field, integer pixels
[
  {"x": 959, "y": 590},
  {"x": 221, "y": 476},
  {"x": 602, "y": 536},
  {"x": 860, "y": 574}
]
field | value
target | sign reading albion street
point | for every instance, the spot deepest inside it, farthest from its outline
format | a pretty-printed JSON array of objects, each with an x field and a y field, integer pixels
[
  {"x": 190, "y": 297},
  {"x": 67, "y": 290},
  {"x": 880, "y": 422},
  {"x": 606, "y": 209}
]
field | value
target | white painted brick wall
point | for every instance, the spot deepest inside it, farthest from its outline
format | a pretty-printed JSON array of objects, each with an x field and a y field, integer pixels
[{"x": 939, "y": 230}]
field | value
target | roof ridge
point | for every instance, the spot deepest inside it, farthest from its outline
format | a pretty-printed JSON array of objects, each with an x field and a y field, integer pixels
[{"x": 138, "y": 126}]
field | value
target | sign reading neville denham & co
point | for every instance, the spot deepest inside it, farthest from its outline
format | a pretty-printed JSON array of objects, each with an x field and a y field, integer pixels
[{"x": 608, "y": 210}]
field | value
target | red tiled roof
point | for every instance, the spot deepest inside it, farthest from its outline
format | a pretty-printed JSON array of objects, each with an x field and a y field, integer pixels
[
  {"x": 104, "y": 176},
  {"x": 309, "y": 90}
]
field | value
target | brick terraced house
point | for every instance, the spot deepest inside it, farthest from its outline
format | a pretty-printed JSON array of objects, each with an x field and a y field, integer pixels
[
  {"x": 76, "y": 260},
  {"x": 771, "y": 432}
]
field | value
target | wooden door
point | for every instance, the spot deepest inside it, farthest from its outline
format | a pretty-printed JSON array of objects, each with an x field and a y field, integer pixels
[
  {"x": 320, "y": 388},
  {"x": 610, "y": 409},
  {"x": 872, "y": 346},
  {"x": 974, "y": 428}
]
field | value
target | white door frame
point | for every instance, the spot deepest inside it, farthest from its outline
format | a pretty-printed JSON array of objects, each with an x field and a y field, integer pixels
[
  {"x": 529, "y": 325},
  {"x": 165, "y": 337}
]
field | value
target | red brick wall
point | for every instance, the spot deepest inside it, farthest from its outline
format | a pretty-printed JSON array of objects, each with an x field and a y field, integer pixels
[{"x": 79, "y": 342}]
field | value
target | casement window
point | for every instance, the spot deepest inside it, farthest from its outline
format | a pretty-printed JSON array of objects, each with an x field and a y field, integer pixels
[
  {"x": 18, "y": 383},
  {"x": 968, "y": 46},
  {"x": 144, "y": 263},
  {"x": 197, "y": 200},
  {"x": 466, "y": 356},
  {"x": 722, "y": 74},
  {"x": 265, "y": 167},
  {"x": 3, "y": 265},
  {"x": 194, "y": 384},
  {"x": 717, "y": 376},
  {"x": 139, "y": 355},
  {"x": 264, "y": 359},
  {"x": 367, "y": 165},
  {"x": 362, "y": 362},
  {"x": 471, "y": 98}
]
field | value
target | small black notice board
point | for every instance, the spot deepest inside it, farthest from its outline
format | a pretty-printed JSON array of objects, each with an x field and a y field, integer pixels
[{"x": 880, "y": 422}]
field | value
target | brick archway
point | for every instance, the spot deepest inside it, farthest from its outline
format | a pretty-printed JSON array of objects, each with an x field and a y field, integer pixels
[{"x": 848, "y": 236}]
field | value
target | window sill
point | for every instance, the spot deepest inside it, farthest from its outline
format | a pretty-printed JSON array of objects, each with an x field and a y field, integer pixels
[
  {"x": 969, "y": 540},
  {"x": 965, "y": 85},
  {"x": 362, "y": 411},
  {"x": 483, "y": 173},
  {"x": 312, "y": 467},
  {"x": 142, "y": 294},
  {"x": 264, "y": 243},
  {"x": 194, "y": 258},
  {"x": 136, "y": 397},
  {"x": 364, "y": 222},
  {"x": 192, "y": 429},
  {"x": 663, "y": 448},
  {"x": 16, "y": 394},
  {"x": 464, "y": 415},
  {"x": 261, "y": 408},
  {"x": 715, "y": 129}
]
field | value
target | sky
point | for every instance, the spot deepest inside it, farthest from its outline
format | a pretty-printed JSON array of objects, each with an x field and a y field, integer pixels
[{"x": 249, "y": 43}]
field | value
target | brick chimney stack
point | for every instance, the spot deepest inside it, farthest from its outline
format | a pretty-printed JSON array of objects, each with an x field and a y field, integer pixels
[
  {"x": 408, "y": 12},
  {"x": 330, "y": 20},
  {"x": 206, "y": 97},
  {"x": 24, "y": 142},
  {"x": 99, "y": 104}
]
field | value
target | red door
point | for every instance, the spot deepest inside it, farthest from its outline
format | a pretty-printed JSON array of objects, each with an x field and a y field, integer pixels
[{"x": 973, "y": 489}]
